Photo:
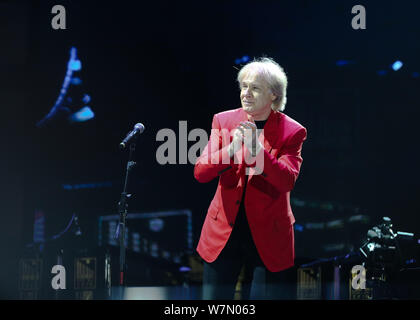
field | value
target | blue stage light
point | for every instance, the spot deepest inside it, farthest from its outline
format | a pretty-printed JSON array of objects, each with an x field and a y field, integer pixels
[
  {"x": 397, "y": 65},
  {"x": 75, "y": 65},
  {"x": 82, "y": 115},
  {"x": 340, "y": 63},
  {"x": 382, "y": 72},
  {"x": 86, "y": 98},
  {"x": 76, "y": 81},
  {"x": 92, "y": 185},
  {"x": 298, "y": 227},
  {"x": 244, "y": 59}
]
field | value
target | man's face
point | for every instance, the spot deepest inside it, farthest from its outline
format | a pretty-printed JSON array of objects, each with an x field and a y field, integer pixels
[{"x": 256, "y": 97}]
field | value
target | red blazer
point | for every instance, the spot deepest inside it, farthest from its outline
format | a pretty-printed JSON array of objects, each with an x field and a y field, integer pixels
[{"x": 267, "y": 198}]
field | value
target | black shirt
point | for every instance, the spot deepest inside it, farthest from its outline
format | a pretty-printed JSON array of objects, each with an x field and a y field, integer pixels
[{"x": 241, "y": 241}]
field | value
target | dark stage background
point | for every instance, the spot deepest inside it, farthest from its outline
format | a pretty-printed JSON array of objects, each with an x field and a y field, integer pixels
[{"x": 162, "y": 62}]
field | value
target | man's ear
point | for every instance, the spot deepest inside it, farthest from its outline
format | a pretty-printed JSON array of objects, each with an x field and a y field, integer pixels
[{"x": 273, "y": 97}]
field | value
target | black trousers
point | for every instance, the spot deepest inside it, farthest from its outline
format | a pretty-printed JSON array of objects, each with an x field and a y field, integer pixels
[{"x": 220, "y": 277}]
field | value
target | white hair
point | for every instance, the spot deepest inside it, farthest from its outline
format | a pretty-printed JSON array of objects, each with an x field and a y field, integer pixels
[{"x": 273, "y": 74}]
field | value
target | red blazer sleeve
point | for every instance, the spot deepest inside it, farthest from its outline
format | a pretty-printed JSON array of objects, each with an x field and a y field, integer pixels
[
  {"x": 215, "y": 161},
  {"x": 282, "y": 172}
]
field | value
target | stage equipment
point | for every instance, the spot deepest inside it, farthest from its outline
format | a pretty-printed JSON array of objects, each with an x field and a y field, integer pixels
[
  {"x": 337, "y": 228},
  {"x": 164, "y": 236},
  {"x": 388, "y": 256},
  {"x": 388, "y": 265},
  {"x": 123, "y": 203},
  {"x": 388, "y": 250},
  {"x": 30, "y": 278},
  {"x": 84, "y": 269},
  {"x": 309, "y": 283},
  {"x": 138, "y": 129}
]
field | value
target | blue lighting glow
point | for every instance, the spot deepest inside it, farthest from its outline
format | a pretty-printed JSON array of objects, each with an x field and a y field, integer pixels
[
  {"x": 75, "y": 65},
  {"x": 340, "y": 63},
  {"x": 76, "y": 81},
  {"x": 39, "y": 228},
  {"x": 381, "y": 72},
  {"x": 94, "y": 185},
  {"x": 82, "y": 115},
  {"x": 397, "y": 65},
  {"x": 86, "y": 98},
  {"x": 298, "y": 227},
  {"x": 244, "y": 59},
  {"x": 184, "y": 269}
]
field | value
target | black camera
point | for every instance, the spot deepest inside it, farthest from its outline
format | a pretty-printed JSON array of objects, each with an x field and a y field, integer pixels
[{"x": 387, "y": 249}]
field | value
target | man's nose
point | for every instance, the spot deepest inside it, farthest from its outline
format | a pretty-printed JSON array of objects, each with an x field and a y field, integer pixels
[{"x": 247, "y": 92}]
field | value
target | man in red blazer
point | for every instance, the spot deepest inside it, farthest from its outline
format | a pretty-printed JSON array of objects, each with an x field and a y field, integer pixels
[{"x": 255, "y": 152}]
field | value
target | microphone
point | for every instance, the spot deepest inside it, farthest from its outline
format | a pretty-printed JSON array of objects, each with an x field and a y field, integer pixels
[{"x": 138, "y": 129}]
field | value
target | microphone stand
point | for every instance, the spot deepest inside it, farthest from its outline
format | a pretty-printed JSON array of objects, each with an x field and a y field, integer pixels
[{"x": 122, "y": 209}]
